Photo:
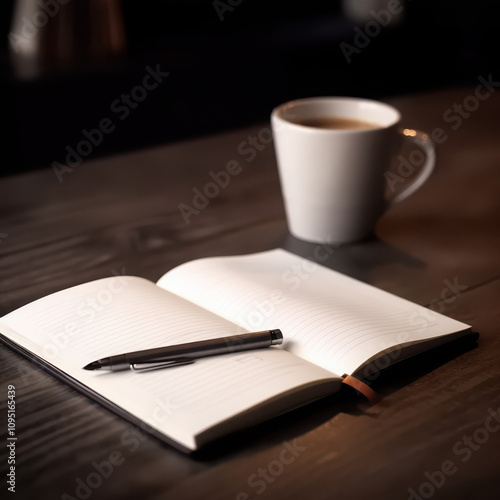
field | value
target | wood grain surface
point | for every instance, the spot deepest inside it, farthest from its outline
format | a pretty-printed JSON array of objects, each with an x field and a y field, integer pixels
[{"x": 432, "y": 435}]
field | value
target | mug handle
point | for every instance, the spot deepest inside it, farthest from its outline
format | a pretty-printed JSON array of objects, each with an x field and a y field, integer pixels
[{"x": 424, "y": 142}]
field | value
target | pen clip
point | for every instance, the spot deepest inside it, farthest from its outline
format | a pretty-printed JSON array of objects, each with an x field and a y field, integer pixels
[{"x": 157, "y": 365}]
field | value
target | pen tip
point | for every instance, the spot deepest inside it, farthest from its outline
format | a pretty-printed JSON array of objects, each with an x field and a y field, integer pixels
[{"x": 95, "y": 365}]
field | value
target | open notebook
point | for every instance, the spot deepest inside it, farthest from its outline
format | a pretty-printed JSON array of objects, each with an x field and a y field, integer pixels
[{"x": 332, "y": 325}]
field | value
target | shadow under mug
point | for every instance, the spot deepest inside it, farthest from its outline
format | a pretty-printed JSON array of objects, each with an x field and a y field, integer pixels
[{"x": 333, "y": 179}]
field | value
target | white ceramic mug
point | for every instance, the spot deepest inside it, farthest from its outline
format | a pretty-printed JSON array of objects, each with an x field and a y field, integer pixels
[{"x": 333, "y": 179}]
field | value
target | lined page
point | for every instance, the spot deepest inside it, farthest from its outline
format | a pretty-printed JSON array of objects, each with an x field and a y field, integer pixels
[
  {"x": 115, "y": 315},
  {"x": 326, "y": 317}
]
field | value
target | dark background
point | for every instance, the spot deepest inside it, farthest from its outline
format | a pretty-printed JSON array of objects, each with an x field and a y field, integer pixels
[{"x": 232, "y": 72}]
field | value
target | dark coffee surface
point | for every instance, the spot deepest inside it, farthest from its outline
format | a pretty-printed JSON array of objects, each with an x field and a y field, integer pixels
[{"x": 338, "y": 122}]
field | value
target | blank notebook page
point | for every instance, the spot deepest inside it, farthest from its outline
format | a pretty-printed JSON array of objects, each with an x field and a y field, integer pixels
[
  {"x": 326, "y": 317},
  {"x": 76, "y": 326}
]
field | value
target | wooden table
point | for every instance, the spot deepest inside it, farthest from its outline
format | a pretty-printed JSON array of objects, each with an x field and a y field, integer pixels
[{"x": 439, "y": 248}]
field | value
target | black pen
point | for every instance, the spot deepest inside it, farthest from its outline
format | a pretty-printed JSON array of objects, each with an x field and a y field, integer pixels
[{"x": 182, "y": 354}]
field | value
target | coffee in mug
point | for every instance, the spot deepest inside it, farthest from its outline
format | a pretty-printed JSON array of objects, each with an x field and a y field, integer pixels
[{"x": 338, "y": 122}]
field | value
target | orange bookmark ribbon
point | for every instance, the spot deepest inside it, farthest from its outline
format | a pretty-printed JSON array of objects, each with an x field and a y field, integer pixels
[{"x": 364, "y": 389}]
